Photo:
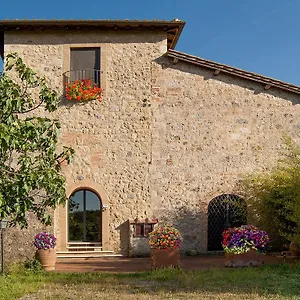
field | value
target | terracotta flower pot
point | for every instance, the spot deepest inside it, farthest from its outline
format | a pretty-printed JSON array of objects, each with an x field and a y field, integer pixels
[
  {"x": 251, "y": 258},
  {"x": 162, "y": 258},
  {"x": 295, "y": 249},
  {"x": 47, "y": 258}
]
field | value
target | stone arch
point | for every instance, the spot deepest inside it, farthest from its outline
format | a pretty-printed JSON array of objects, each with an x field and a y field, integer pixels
[
  {"x": 90, "y": 185},
  {"x": 224, "y": 211},
  {"x": 61, "y": 228}
]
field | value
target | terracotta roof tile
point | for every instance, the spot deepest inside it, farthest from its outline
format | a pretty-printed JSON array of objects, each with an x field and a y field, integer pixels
[
  {"x": 221, "y": 68},
  {"x": 173, "y": 27}
]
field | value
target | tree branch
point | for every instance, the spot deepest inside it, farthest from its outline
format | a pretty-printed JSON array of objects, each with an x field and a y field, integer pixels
[{"x": 33, "y": 108}]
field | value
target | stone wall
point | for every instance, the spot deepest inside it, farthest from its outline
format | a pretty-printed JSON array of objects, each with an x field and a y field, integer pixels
[
  {"x": 19, "y": 243},
  {"x": 111, "y": 139},
  {"x": 207, "y": 132},
  {"x": 167, "y": 138}
]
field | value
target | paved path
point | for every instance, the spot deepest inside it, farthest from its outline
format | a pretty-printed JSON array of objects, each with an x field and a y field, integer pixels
[{"x": 127, "y": 265}]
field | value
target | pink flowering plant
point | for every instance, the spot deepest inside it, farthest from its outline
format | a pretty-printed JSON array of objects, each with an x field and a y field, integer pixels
[
  {"x": 44, "y": 240},
  {"x": 242, "y": 239},
  {"x": 165, "y": 237}
]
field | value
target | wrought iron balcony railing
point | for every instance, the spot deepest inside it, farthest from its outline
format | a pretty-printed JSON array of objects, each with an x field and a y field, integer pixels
[
  {"x": 82, "y": 85},
  {"x": 85, "y": 74}
]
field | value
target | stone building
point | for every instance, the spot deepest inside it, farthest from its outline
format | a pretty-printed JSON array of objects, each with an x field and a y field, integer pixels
[{"x": 169, "y": 142}]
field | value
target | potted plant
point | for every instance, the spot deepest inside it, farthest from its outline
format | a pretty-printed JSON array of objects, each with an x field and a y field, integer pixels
[
  {"x": 45, "y": 243},
  {"x": 83, "y": 90},
  {"x": 165, "y": 242},
  {"x": 244, "y": 245},
  {"x": 295, "y": 247}
]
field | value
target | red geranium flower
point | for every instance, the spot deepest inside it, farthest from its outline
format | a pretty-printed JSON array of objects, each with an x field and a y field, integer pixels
[{"x": 83, "y": 90}]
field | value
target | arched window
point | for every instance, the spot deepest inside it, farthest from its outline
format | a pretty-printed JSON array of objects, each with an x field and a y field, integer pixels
[
  {"x": 224, "y": 211},
  {"x": 85, "y": 217}
]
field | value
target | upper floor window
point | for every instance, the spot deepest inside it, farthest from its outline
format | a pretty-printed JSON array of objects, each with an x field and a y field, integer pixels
[{"x": 84, "y": 65}]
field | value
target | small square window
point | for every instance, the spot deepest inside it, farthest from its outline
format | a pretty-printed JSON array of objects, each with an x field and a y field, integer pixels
[
  {"x": 138, "y": 230},
  {"x": 142, "y": 229},
  {"x": 147, "y": 229}
]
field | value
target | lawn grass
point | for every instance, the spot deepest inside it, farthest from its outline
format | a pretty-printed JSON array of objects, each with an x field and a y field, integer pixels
[{"x": 267, "y": 282}]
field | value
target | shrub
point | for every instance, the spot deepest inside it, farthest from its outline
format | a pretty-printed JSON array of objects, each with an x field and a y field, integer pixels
[
  {"x": 33, "y": 265},
  {"x": 274, "y": 197}
]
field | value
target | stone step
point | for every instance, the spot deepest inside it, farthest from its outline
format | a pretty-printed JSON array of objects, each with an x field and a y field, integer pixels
[
  {"x": 87, "y": 254},
  {"x": 89, "y": 244},
  {"x": 87, "y": 248}
]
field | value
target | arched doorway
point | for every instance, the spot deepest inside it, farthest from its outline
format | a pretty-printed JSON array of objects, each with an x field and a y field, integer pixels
[
  {"x": 224, "y": 211},
  {"x": 85, "y": 217}
]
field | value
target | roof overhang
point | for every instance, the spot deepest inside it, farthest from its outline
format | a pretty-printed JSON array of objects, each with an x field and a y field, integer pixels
[
  {"x": 221, "y": 68},
  {"x": 173, "y": 28}
]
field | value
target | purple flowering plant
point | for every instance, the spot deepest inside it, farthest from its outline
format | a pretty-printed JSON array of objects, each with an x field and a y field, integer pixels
[
  {"x": 45, "y": 240},
  {"x": 242, "y": 239}
]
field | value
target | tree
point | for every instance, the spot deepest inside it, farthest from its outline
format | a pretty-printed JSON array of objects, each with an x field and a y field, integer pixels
[
  {"x": 274, "y": 197},
  {"x": 30, "y": 178}
]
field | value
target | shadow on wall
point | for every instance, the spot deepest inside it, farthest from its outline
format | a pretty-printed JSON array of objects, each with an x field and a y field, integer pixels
[
  {"x": 192, "y": 224},
  {"x": 124, "y": 238},
  {"x": 62, "y": 101}
]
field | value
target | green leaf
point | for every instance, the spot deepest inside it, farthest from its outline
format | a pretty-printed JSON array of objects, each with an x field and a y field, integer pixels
[{"x": 28, "y": 155}]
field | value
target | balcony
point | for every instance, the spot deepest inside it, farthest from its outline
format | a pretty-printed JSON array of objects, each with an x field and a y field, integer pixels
[
  {"x": 82, "y": 85},
  {"x": 85, "y": 74}
]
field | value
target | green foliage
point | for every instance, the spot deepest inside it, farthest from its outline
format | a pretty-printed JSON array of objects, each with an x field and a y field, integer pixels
[
  {"x": 27, "y": 267},
  {"x": 30, "y": 179},
  {"x": 33, "y": 265},
  {"x": 274, "y": 197}
]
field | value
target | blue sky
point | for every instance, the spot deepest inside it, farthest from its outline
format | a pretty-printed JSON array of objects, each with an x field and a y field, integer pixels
[{"x": 258, "y": 35}]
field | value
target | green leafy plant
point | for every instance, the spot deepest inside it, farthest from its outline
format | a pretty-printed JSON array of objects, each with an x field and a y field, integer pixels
[
  {"x": 30, "y": 178},
  {"x": 33, "y": 266},
  {"x": 274, "y": 197}
]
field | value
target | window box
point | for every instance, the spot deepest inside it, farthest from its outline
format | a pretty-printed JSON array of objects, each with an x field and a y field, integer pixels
[{"x": 85, "y": 87}]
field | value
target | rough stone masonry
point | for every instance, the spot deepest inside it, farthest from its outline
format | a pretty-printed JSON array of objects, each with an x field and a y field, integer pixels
[{"x": 166, "y": 139}]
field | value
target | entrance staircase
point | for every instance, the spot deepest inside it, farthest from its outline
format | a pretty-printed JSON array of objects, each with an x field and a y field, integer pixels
[{"x": 86, "y": 250}]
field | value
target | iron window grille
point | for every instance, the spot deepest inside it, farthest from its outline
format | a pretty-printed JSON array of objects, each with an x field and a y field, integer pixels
[{"x": 224, "y": 211}]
